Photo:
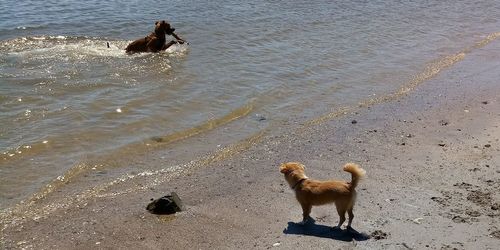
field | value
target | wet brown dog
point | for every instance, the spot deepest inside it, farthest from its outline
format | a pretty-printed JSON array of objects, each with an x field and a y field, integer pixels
[
  {"x": 156, "y": 41},
  {"x": 313, "y": 193}
]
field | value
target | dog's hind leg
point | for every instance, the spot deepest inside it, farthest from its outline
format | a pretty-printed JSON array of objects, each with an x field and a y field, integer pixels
[
  {"x": 341, "y": 211},
  {"x": 351, "y": 217},
  {"x": 306, "y": 211}
]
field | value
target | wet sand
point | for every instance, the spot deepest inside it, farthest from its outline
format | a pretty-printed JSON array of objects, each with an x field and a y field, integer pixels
[{"x": 432, "y": 160}]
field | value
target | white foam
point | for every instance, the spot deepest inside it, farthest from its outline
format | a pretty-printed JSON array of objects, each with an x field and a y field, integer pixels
[
  {"x": 178, "y": 49},
  {"x": 81, "y": 47}
]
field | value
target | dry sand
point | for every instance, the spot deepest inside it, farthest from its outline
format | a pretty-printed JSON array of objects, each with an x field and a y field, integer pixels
[{"x": 431, "y": 156}]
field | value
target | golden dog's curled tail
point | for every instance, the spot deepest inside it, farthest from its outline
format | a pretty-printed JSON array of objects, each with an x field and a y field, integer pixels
[{"x": 356, "y": 172}]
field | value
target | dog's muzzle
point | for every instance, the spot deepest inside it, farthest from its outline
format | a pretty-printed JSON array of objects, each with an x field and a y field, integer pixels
[{"x": 170, "y": 31}]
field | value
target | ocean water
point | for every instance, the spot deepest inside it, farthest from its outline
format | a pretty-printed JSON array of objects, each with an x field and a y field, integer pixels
[{"x": 69, "y": 104}]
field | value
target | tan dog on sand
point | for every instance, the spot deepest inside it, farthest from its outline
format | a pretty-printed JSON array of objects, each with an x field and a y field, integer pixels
[{"x": 313, "y": 193}]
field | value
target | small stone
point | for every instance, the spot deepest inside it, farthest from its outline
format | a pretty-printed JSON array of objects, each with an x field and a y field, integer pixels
[
  {"x": 21, "y": 243},
  {"x": 443, "y": 123},
  {"x": 354, "y": 121},
  {"x": 487, "y": 145},
  {"x": 485, "y": 102},
  {"x": 277, "y": 244},
  {"x": 495, "y": 206},
  {"x": 260, "y": 117},
  {"x": 442, "y": 144},
  {"x": 418, "y": 220}
]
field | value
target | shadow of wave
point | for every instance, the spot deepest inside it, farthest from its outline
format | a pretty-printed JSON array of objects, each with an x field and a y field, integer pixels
[{"x": 312, "y": 229}]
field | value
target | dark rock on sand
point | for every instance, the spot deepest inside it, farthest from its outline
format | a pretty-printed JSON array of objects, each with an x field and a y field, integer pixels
[{"x": 168, "y": 204}]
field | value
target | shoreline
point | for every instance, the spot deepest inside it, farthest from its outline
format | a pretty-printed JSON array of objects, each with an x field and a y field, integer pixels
[{"x": 432, "y": 166}]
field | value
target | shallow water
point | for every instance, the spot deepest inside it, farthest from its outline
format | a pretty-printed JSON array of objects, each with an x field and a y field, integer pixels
[{"x": 66, "y": 99}]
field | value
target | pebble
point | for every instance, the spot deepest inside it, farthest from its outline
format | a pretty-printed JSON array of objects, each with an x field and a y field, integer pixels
[
  {"x": 21, "y": 242},
  {"x": 260, "y": 117},
  {"x": 277, "y": 244},
  {"x": 443, "y": 123},
  {"x": 418, "y": 220}
]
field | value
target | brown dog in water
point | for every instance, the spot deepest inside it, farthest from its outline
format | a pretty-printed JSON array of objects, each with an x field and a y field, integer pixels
[
  {"x": 156, "y": 41},
  {"x": 313, "y": 193}
]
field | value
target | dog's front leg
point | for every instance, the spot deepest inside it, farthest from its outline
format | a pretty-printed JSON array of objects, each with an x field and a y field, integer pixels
[
  {"x": 167, "y": 45},
  {"x": 306, "y": 211}
]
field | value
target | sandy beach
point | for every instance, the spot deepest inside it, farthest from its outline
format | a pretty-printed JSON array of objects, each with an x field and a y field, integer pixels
[{"x": 431, "y": 156}]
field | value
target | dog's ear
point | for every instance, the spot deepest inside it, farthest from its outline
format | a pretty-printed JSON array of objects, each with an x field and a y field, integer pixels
[{"x": 156, "y": 23}]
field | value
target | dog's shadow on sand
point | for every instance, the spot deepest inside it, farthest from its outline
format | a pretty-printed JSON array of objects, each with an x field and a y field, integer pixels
[{"x": 313, "y": 229}]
